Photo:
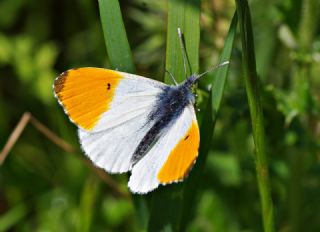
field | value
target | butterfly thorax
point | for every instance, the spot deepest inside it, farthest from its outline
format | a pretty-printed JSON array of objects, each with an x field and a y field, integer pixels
[{"x": 169, "y": 106}]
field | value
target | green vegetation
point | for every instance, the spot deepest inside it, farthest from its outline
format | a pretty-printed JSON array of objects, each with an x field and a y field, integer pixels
[{"x": 259, "y": 162}]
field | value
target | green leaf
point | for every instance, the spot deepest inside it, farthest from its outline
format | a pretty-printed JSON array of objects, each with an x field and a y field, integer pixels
[
  {"x": 87, "y": 204},
  {"x": 12, "y": 217},
  {"x": 254, "y": 100},
  {"x": 115, "y": 36},
  {"x": 184, "y": 14},
  {"x": 207, "y": 127}
]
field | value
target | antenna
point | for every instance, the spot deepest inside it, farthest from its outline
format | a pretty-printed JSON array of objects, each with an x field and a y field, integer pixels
[
  {"x": 184, "y": 52},
  {"x": 172, "y": 78},
  {"x": 212, "y": 69}
]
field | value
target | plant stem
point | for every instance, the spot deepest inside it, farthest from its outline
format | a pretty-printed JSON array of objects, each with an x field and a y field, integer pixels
[{"x": 256, "y": 112}]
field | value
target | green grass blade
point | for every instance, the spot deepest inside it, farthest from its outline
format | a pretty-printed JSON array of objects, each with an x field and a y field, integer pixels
[
  {"x": 115, "y": 36},
  {"x": 167, "y": 202},
  {"x": 207, "y": 127},
  {"x": 12, "y": 217},
  {"x": 120, "y": 57},
  {"x": 254, "y": 100},
  {"x": 87, "y": 204},
  {"x": 186, "y": 15}
]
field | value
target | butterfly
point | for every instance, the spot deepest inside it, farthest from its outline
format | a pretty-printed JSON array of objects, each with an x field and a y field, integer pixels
[{"x": 131, "y": 123}]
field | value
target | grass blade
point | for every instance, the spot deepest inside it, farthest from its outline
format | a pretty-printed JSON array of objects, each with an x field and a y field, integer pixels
[
  {"x": 166, "y": 203},
  {"x": 115, "y": 36},
  {"x": 254, "y": 100},
  {"x": 87, "y": 204},
  {"x": 12, "y": 217},
  {"x": 207, "y": 127},
  {"x": 186, "y": 15},
  {"x": 121, "y": 59}
]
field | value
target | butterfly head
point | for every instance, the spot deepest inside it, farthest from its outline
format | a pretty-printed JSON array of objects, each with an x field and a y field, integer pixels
[{"x": 190, "y": 81}]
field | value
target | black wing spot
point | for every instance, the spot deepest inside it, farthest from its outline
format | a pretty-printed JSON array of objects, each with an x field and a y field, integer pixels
[
  {"x": 108, "y": 86},
  {"x": 186, "y": 137}
]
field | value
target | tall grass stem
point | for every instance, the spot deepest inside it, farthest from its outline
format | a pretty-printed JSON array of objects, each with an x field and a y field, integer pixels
[{"x": 254, "y": 99}]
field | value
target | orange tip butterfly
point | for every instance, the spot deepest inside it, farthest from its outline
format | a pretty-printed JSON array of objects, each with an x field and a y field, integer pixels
[{"x": 131, "y": 123}]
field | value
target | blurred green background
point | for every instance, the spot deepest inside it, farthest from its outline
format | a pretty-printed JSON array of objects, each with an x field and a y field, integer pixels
[{"x": 44, "y": 188}]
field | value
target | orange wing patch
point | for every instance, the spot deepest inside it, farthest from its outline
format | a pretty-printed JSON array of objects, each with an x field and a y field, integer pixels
[
  {"x": 181, "y": 157},
  {"x": 86, "y": 93}
]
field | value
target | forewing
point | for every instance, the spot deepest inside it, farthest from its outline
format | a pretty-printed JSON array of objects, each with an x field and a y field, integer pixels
[
  {"x": 97, "y": 99},
  {"x": 172, "y": 156}
]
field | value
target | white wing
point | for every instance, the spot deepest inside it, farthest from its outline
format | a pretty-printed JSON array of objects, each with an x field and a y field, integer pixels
[
  {"x": 171, "y": 158},
  {"x": 111, "y": 110},
  {"x": 112, "y": 149},
  {"x": 135, "y": 96}
]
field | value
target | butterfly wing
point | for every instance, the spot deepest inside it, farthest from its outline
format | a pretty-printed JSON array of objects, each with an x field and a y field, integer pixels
[
  {"x": 96, "y": 99},
  {"x": 171, "y": 157},
  {"x": 111, "y": 110},
  {"x": 112, "y": 148}
]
